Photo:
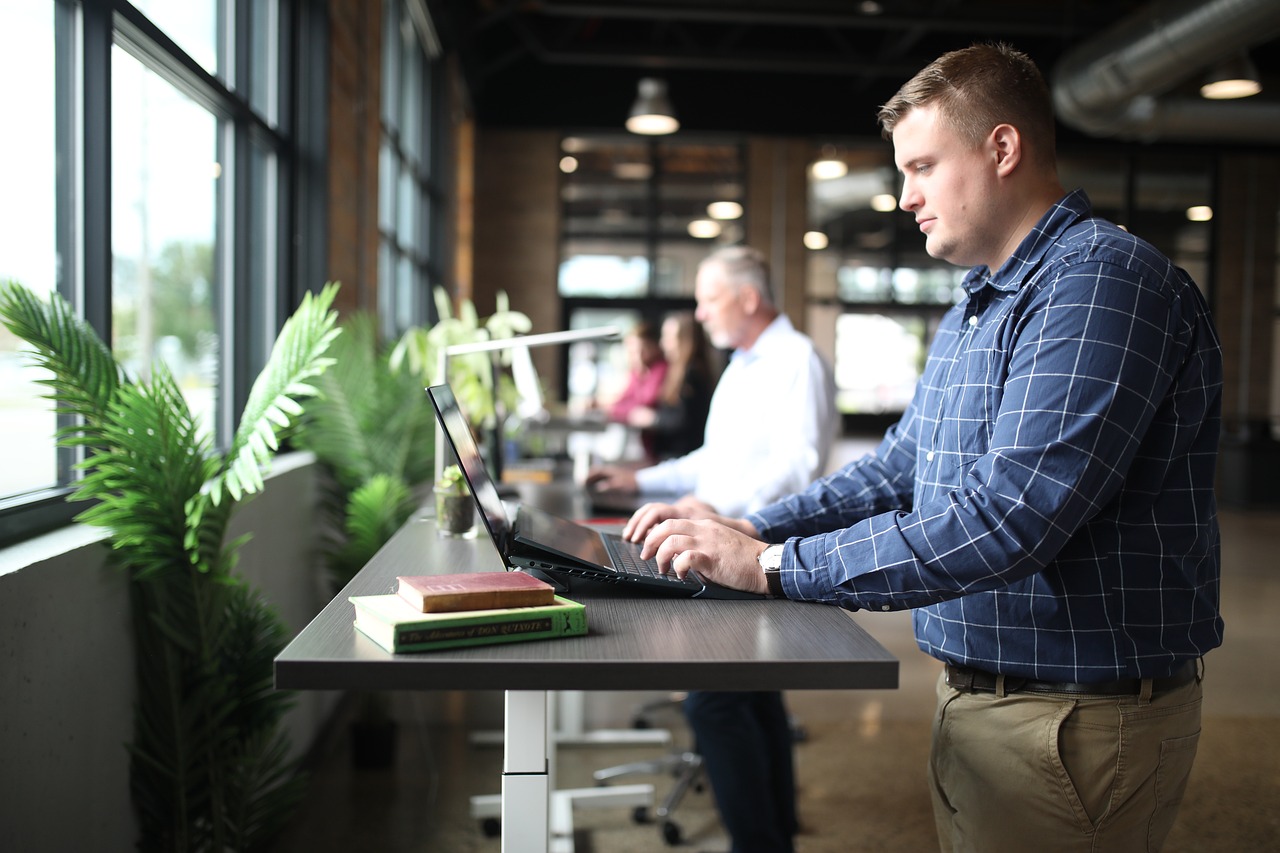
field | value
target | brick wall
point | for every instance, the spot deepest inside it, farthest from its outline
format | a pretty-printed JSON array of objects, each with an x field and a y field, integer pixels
[{"x": 355, "y": 62}]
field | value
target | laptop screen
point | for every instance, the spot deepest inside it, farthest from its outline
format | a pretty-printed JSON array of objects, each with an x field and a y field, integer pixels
[{"x": 458, "y": 432}]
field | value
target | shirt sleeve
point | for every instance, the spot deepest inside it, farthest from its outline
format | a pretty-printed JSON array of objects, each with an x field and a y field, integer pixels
[
  {"x": 675, "y": 476},
  {"x": 1087, "y": 354}
]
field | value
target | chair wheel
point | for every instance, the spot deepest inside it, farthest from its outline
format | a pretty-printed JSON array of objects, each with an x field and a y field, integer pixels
[
  {"x": 491, "y": 827},
  {"x": 671, "y": 833},
  {"x": 640, "y": 815}
]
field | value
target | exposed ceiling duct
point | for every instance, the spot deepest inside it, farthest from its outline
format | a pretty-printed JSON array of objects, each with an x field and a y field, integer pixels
[{"x": 1108, "y": 86}]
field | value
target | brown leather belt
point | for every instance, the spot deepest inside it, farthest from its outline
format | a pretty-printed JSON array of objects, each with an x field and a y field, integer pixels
[{"x": 977, "y": 680}]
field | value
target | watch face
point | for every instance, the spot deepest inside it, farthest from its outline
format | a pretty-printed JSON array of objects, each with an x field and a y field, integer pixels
[{"x": 771, "y": 558}]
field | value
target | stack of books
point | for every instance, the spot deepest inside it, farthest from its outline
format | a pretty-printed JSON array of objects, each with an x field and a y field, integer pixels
[{"x": 429, "y": 612}]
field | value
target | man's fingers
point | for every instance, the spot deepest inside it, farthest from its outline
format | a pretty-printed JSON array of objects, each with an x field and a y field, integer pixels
[
  {"x": 646, "y": 519},
  {"x": 670, "y": 553},
  {"x": 638, "y": 524},
  {"x": 682, "y": 562}
]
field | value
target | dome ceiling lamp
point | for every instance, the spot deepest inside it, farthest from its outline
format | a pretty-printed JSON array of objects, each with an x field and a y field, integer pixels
[
  {"x": 651, "y": 114},
  {"x": 1235, "y": 77}
]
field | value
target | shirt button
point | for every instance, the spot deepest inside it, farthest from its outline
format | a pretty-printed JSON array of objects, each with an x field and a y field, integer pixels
[
  {"x": 884, "y": 607},
  {"x": 928, "y": 457},
  {"x": 973, "y": 321}
]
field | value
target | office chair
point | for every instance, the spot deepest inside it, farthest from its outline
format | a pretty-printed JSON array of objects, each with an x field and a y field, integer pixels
[{"x": 684, "y": 764}]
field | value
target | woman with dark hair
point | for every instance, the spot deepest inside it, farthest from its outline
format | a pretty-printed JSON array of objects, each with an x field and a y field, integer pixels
[{"x": 677, "y": 422}]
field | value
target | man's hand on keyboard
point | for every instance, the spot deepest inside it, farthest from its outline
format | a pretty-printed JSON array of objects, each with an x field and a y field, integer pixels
[
  {"x": 611, "y": 478},
  {"x": 643, "y": 520},
  {"x": 715, "y": 551}
]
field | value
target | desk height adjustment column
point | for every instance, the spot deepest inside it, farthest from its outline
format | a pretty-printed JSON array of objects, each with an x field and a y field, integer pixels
[{"x": 526, "y": 783}]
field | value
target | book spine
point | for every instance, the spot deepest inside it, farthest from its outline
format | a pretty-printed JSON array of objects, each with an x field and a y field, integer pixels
[{"x": 542, "y": 626}]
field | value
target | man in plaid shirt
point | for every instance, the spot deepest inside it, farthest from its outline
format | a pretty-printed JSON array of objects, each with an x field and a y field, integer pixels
[{"x": 1045, "y": 505}]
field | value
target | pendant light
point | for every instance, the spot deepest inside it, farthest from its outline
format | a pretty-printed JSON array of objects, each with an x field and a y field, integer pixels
[{"x": 651, "y": 114}]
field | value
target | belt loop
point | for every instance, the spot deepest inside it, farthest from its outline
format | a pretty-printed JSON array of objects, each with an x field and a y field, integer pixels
[
  {"x": 1144, "y": 697},
  {"x": 1000, "y": 694}
]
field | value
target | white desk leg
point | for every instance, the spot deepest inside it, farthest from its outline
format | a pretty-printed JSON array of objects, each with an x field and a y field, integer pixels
[
  {"x": 571, "y": 729},
  {"x": 537, "y": 818},
  {"x": 526, "y": 786}
]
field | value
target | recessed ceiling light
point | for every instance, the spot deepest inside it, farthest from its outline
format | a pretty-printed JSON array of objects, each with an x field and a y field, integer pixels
[
  {"x": 1200, "y": 213},
  {"x": 568, "y": 164},
  {"x": 724, "y": 210},
  {"x": 704, "y": 229},
  {"x": 826, "y": 170},
  {"x": 815, "y": 240},
  {"x": 884, "y": 202}
]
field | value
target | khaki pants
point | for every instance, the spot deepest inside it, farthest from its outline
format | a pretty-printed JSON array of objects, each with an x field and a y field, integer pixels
[{"x": 1047, "y": 773}]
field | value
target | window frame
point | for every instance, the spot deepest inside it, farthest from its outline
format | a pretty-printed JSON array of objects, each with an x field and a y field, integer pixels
[{"x": 250, "y": 314}]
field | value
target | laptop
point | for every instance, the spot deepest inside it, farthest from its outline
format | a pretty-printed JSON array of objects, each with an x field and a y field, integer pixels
[{"x": 565, "y": 553}]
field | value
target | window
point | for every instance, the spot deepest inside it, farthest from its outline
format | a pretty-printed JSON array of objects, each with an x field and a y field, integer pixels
[
  {"x": 157, "y": 158},
  {"x": 164, "y": 175},
  {"x": 28, "y": 230},
  {"x": 869, "y": 276},
  {"x": 638, "y": 217},
  {"x": 409, "y": 192}
]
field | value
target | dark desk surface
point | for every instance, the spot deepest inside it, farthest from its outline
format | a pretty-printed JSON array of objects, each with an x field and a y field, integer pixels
[{"x": 632, "y": 644}]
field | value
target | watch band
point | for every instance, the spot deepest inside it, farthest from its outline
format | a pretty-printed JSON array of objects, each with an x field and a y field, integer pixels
[{"x": 774, "y": 580}]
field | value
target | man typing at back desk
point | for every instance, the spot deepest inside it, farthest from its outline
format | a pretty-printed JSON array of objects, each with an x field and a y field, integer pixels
[{"x": 768, "y": 433}]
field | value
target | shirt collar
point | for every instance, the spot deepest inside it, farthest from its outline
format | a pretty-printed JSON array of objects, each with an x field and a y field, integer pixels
[
  {"x": 779, "y": 328},
  {"x": 1069, "y": 210}
]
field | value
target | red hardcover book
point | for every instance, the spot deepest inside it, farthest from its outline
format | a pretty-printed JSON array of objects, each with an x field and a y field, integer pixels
[{"x": 473, "y": 591}]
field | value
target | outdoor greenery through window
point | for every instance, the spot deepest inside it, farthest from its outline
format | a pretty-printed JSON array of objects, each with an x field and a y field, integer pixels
[
  {"x": 165, "y": 171},
  {"x": 153, "y": 158},
  {"x": 27, "y": 233}
]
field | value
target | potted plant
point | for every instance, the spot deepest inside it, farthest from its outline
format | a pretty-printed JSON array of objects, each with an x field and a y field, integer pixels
[
  {"x": 455, "y": 514},
  {"x": 485, "y": 394},
  {"x": 208, "y": 767}
]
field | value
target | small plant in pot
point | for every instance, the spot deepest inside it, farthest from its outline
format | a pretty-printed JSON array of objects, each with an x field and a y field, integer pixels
[{"x": 455, "y": 514}]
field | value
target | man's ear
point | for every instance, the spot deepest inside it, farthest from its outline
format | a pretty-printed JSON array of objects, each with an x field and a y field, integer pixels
[
  {"x": 750, "y": 300},
  {"x": 1006, "y": 144}
]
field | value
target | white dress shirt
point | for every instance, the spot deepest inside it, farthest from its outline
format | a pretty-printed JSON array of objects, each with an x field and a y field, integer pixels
[{"x": 768, "y": 432}]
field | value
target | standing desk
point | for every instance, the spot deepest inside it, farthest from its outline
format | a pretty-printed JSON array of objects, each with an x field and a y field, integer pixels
[{"x": 632, "y": 644}]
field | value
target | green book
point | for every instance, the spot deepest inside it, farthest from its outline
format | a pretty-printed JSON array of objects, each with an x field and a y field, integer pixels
[{"x": 395, "y": 625}]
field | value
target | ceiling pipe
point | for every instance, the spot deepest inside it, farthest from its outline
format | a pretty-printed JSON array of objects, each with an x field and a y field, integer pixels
[{"x": 1108, "y": 86}]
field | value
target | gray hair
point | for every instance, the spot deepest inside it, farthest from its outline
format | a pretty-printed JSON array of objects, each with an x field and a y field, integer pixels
[{"x": 744, "y": 267}]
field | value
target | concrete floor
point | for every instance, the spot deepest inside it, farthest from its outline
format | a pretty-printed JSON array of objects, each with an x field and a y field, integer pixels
[{"x": 860, "y": 770}]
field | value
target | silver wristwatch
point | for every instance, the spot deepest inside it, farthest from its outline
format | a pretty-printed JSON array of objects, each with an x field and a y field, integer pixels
[{"x": 771, "y": 563}]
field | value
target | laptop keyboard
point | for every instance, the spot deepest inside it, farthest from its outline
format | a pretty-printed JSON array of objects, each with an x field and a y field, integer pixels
[{"x": 627, "y": 560}]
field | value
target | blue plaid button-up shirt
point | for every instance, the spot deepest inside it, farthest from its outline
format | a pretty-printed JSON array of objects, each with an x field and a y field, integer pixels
[{"x": 1046, "y": 503}]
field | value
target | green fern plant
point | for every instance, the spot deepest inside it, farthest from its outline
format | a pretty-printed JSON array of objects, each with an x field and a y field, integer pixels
[
  {"x": 208, "y": 769},
  {"x": 371, "y": 428}
]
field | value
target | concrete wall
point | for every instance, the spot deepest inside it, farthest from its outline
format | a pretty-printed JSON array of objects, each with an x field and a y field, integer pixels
[{"x": 66, "y": 667}]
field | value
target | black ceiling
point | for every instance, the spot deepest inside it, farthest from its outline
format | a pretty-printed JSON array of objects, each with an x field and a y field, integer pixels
[{"x": 792, "y": 67}]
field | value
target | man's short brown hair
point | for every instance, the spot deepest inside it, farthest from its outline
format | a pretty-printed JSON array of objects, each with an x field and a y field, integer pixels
[{"x": 976, "y": 88}]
